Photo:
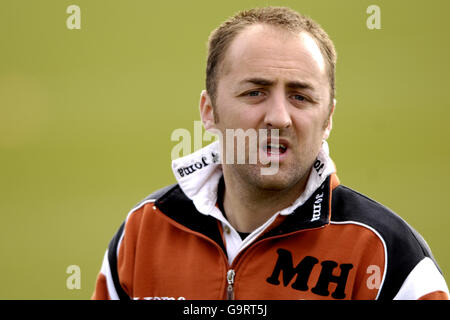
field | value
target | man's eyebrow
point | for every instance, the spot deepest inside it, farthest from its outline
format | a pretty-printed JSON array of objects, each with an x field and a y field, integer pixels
[
  {"x": 266, "y": 83},
  {"x": 257, "y": 81},
  {"x": 299, "y": 85}
]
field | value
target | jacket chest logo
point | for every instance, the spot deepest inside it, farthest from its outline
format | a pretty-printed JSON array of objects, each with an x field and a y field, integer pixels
[
  {"x": 198, "y": 165},
  {"x": 284, "y": 267}
]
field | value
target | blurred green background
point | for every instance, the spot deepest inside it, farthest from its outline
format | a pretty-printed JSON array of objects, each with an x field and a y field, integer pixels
[{"x": 86, "y": 118}]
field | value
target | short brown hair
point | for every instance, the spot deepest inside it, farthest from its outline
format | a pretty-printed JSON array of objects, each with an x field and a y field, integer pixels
[{"x": 283, "y": 17}]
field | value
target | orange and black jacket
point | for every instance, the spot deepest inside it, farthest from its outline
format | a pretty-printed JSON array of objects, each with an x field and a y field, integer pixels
[{"x": 338, "y": 244}]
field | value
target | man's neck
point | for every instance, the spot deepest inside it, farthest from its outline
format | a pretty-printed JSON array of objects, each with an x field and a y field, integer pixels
[{"x": 248, "y": 207}]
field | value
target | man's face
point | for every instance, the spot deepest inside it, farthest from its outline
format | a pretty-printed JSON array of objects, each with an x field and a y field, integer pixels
[{"x": 273, "y": 79}]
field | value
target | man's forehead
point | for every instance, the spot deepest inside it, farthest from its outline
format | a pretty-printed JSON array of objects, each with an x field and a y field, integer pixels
[{"x": 266, "y": 46}]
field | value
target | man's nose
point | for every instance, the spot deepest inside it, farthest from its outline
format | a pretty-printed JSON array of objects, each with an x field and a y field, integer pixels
[{"x": 277, "y": 112}]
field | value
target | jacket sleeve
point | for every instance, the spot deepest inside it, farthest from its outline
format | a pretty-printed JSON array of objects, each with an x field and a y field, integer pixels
[
  {"x": 108, "y": 286},
  {"x": 424, "y": 282},
  {"x": 101, "y": 291}
]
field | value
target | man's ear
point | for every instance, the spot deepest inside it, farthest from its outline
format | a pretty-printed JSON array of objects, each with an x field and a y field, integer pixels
[
  {"x": 206, "y": 111},
  {"x": 329, "y": 122}
]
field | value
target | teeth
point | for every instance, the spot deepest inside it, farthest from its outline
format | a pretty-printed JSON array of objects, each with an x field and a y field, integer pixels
[
  {"x": 277, "y": 146},
  {"x": 273, "y": 147}
]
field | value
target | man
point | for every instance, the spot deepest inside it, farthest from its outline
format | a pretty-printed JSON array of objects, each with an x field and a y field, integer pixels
[{"x": 228, "y": 231}]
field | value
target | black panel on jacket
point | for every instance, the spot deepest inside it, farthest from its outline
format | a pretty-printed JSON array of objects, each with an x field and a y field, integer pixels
[
  {"x": 112, "y": 259},
  {"x": 177, "y": 206},
  {"x": 405, "y": 247}
]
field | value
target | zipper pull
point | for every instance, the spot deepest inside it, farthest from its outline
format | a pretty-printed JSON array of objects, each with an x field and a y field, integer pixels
[{"x": 230, "y": 280}]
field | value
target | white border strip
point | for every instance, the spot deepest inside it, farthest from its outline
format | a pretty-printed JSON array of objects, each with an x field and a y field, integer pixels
[
  {"x": 106, "y": 271},
  {"x": 425, "y": 278}
]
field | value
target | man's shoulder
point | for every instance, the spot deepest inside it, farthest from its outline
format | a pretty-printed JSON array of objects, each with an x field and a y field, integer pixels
[
  {"x": 156, "y": 199},
  {"x": 158, "y": 194},
  {"x": 173, "y": 203},
  {"x": 404, "y": 246},
  {"x": 349, "y": 205}
]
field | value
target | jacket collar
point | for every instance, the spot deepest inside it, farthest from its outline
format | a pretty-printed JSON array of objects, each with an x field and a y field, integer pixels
[
  {"x": 198, "y": 176},
  {"x": 314, "y": 213}
]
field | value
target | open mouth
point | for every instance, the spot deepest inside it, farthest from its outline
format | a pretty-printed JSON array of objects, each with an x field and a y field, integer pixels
[{"x": 275, "y": 149}]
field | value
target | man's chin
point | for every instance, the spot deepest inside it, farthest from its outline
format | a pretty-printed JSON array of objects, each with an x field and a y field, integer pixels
[{"x": 279, "y": 180}]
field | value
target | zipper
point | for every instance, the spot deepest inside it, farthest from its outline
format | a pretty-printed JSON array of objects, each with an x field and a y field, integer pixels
[
  {"x": 231, "y": 272},
  {"x": 230, "y": 279}
]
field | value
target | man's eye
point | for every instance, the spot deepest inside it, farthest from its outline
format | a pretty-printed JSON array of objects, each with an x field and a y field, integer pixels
[
  {"x": 254, "y": 93},
  {"x": 299, "y": 97}
]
